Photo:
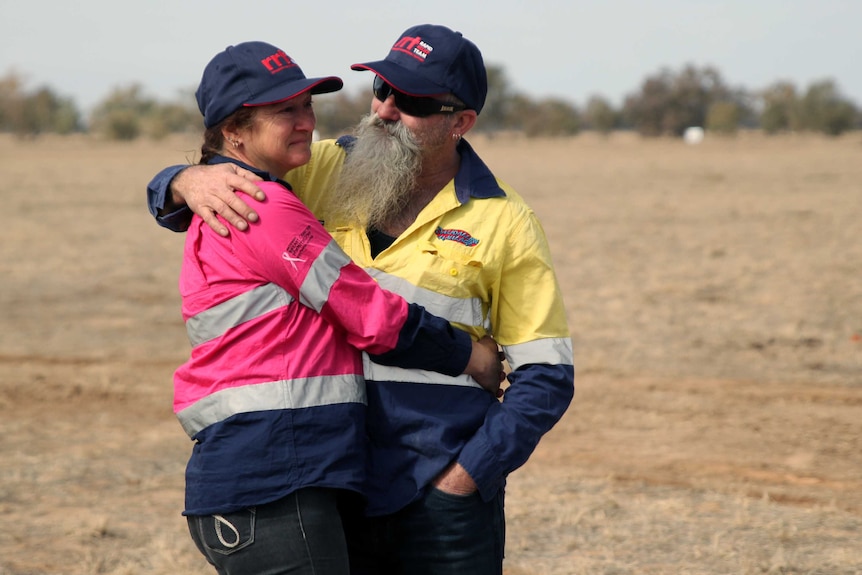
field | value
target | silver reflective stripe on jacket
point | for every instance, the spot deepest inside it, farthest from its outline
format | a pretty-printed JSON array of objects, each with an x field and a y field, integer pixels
[
  {"x": 217, "y": 320},
  {"x": 548, "y": 351},
  {"x": 551, "y": 351},
  {"x": 274, "y": 395},
  {"x": 376, "y": 372},
  {"x": 322, "y": 275},
  {"x": 458, "y": 310}
]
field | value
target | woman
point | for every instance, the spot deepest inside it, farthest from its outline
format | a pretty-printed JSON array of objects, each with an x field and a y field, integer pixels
[{"x": 273, "y": 394}]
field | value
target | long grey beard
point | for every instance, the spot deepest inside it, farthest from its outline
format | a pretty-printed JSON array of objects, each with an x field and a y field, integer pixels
[{"x": 379, "y": 173}]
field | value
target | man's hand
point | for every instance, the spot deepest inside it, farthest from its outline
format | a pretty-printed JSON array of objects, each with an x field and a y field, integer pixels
[
  {"x": 455, "y": 480},
  {"x": 211, "y": 190},
  {"x": 486, "y": 365}
]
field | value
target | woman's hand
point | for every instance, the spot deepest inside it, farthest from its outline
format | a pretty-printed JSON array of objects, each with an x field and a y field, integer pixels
[{"x": 486, "y": 365}]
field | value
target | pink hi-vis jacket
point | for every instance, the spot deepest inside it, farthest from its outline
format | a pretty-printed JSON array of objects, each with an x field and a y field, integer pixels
[{"x": 273, "y": 393}]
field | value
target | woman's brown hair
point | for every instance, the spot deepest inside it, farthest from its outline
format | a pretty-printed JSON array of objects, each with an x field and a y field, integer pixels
[{"x": 214, "y": 138}]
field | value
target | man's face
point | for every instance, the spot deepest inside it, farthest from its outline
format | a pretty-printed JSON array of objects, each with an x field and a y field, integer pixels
[{"x": 430, "y": 132}]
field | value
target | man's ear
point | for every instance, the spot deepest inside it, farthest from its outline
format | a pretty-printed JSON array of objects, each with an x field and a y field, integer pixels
[{"x": 465, "y": 122}]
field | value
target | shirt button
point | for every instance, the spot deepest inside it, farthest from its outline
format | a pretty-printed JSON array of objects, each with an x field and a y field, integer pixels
[{"x": 453, "y": 272}]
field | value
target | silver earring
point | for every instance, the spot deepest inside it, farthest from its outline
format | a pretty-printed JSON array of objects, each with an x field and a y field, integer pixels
[{"x": 456, "y": 136}]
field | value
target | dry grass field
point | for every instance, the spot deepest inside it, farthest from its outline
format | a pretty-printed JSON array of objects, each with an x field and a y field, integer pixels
[{"x": 714, "y": 294}]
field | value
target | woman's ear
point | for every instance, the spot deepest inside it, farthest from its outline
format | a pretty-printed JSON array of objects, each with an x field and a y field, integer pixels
[{"x": 230, "y": 134}]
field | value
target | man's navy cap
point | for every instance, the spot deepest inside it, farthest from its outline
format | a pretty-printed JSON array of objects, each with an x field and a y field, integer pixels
[
  {"x": 429, "y": 60},
  {"x": 253, "y": 74}
]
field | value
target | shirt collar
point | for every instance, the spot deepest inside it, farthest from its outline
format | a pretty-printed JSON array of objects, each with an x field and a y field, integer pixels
[
  {"x": 219, "y": 159},
  {"x": 474, "y": 178}
]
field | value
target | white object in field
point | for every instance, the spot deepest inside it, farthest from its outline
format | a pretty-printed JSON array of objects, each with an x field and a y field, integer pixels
[{"x": 693, "y": 135}]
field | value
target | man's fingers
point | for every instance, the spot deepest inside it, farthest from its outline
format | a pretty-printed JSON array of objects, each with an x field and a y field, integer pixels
[
  {"x": 239, "y": 223},
  {"x": 246, "y": 182},
  {"x": 212, "y": 221},
  {"x": 236, "y": 211},
  {"x": 211, "y": 191}
]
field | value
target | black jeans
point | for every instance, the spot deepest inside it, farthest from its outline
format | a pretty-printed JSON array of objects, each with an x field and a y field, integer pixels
[
  {"x": 440, "y": 534},
  {"x": 301, "y": 534}
]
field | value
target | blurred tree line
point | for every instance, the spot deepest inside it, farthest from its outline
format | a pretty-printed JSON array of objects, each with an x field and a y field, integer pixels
[{"x": 666, "y": 104}]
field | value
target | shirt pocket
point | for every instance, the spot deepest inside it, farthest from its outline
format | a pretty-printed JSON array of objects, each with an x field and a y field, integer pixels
[
  {"x": 347, "y": 239},
  {"x": 452, "y": 272}
]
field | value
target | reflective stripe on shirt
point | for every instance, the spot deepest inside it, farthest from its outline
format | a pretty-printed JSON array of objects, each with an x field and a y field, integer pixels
[
  {"x": 376, "y": 372},
  {"x": 322, "y": 274},
  {"x": 457, "y": 310},
  {"x": 215, "y": 321},
  {"x": 551, "y": 351},
  {"x": 294, "y": 394}
]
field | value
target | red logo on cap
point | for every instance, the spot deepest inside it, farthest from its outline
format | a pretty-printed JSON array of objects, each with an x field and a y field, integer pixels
[
  {"x": 278, "y": 62},
  {"x": 414, "y": 47}
]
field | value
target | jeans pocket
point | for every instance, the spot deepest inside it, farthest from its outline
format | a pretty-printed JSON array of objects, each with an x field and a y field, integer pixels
[
  {"x": 226, "y": 533},
  {"x": 438, "y": 499}
]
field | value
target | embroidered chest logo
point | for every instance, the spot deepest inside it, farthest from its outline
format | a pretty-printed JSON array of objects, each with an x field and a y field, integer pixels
[
  {"x": 278, "y": 62},
  {"x": 459, "y": 236},
  {"x": 413, "y": 47},
  {"x": 297, "y": 247}
]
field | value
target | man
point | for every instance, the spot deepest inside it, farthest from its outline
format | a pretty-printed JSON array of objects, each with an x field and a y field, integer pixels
[{"x": 409, "y": 200}]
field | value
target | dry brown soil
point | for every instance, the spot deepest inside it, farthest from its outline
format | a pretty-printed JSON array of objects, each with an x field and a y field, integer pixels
[{"x": 715, "y": 303}]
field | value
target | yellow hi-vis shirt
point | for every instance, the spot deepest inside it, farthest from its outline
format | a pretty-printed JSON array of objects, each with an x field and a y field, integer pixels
[{"x": 477, "y": 256}]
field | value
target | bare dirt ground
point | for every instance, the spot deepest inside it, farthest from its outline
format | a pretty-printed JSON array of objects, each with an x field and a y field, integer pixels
[{"x": 715, "y": 303}]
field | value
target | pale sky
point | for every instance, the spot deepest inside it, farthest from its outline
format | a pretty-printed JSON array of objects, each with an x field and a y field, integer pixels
[{"x": 570, "y": 49}]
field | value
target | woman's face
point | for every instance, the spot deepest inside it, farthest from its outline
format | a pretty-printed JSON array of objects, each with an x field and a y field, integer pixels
[{"x": 280, "y": 137}]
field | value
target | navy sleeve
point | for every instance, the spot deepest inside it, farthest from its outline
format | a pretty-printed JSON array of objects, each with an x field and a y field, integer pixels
[
  {"x": 535, "y": 401},
  {"x": 157, "y": 192},
  {"x": 428, "y": 342}
]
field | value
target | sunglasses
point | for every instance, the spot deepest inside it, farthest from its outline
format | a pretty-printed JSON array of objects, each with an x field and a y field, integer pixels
[{"x": 414, "y": 105}]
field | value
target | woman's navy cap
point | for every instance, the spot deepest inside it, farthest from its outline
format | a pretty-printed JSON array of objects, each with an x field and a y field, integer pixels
[
  {"x": 429, "y": 60},
  {"x": 253, "y": 74}
]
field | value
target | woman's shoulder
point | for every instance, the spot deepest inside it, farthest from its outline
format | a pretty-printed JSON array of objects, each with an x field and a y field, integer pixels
[{"x": 278, "y": 199}]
